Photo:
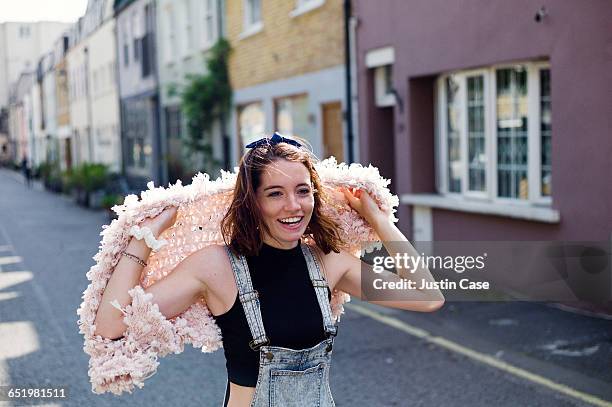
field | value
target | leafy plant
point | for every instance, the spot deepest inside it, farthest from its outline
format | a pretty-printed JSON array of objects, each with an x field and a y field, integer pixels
[
  {"x": 87, "y": 177},
  {"x": 95, "y": 176},
  {"x": 110, "y": 200},
  {"x": 206, "y": 99},
  {"x": 44, "y": 170}
]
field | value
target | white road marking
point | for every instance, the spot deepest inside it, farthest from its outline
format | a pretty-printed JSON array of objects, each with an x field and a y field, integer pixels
[{"x": 478, "y": 356}]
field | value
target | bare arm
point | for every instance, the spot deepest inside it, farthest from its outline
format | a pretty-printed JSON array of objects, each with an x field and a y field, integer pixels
[
  {"x": 173, "y": 294},
  {"x": 126, "y": 275},
  {"x": 394, "y": 240}
]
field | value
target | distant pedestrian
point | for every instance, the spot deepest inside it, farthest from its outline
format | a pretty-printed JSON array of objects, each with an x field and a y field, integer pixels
[{"x": 27, "y": 172}]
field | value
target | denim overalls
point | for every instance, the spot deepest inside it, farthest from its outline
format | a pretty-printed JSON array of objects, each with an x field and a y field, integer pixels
[{"x": 288, "y": 377}]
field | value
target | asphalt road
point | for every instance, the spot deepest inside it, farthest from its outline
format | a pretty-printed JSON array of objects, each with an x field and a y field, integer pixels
[{"x": 468, "y": 354}]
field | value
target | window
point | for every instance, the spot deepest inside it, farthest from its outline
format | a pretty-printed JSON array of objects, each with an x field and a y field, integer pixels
[
  {"x": 292, "y": 118},
  {"x": 136, "y": 34},
  {"x": 251, "y": 123},
  {"x": 304, "y": 6},
  {"x": 187, "y": 15},
  {"x": 494, "y": 133},
  {"x": 146, "y": 65},
  {"x": 24, "y": 31},
  {"x": 383, "y": 84},
  {"x": 210, "y": 26},
  {"x": 173, "y": 122},
  {"x": 170, "y": 46},
  {"x": 147, "y": 45},
  {"x": 126, "y": 43},
  {"x": 545, "y": 132},
  {"x": 252, "y": 13},
  {"x": 138, "y": 140}
]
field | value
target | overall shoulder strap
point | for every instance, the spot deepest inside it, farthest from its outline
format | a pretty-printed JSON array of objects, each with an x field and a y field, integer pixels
[
  {"x": 320, "y": 285},
  {"x": 249, "y": 298}
]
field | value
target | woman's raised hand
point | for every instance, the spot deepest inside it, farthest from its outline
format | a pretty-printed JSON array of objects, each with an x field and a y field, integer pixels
[
  {"x": 365, "y": 205},
  {"x": 162, "y": 221}
]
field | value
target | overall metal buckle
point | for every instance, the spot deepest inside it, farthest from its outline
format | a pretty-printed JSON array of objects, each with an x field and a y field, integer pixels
[
  {"x": 334, "y": 332},
  {"x": 256, "y": 346}
]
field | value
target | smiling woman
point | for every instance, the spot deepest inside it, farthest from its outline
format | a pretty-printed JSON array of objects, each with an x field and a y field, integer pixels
[
  {"x": 282, "y": 261},
  {"x": 278, "y": 198}
]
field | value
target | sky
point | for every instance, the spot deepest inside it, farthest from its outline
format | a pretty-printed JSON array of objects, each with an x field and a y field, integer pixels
[{"x": 45, "y": 10}]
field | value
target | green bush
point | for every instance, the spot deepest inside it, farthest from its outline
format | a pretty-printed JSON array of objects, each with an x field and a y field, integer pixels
[
  {"x": 51, "y": 176},
  {"x": 67, "y": 181},
  {"x": 44, "y": 170},
  {"x": 110, "y": 200},
  {"x": 87, "y": 177},
  {"x": 95, "y": 176}
]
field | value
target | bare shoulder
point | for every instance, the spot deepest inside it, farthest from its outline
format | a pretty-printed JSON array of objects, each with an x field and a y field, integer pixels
[
  {"x": 215, "y": 272},
  {"x": 337, "y": 259},
  {"x": 212, "y": 261}
]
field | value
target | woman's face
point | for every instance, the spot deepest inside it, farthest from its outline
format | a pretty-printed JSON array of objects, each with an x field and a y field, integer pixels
[{"x": 286, "y": 199}]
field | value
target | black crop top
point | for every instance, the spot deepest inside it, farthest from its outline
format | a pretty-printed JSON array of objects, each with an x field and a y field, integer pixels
[{"x": 289, "y": 308}]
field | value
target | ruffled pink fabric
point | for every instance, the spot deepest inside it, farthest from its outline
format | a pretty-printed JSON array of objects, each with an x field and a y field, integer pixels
[{"x": 120, "y": 365}]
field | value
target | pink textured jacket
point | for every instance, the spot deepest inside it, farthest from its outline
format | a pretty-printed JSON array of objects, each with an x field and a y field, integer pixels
[{"x": 119, "y": 365}]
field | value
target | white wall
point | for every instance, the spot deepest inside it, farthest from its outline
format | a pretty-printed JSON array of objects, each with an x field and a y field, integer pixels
[
  {"x": 21, "y": 51},
  {"x": 183, "y": 47},
  {"x": 77, "y": 91},
  {"x": 104, "y": 96}
]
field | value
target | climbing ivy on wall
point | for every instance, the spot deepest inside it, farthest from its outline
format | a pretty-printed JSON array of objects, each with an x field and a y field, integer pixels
[{"x": 206, "y": 99}]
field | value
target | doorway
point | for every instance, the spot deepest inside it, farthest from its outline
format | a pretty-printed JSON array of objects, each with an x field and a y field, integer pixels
[{"x": 333, "y": 142}]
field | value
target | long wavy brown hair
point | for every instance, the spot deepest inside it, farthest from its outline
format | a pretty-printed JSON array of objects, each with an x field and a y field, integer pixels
[{"x": 243, "y": 228}]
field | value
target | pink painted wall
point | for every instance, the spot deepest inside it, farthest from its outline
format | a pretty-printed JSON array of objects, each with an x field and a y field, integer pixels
[{"x": 434, "y": 36}]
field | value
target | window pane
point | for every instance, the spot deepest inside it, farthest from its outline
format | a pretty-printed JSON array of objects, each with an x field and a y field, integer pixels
[
  {"x": 453, "y": 129},
  {"x": 254, "y": 11},
  {"x": 251, "y": 121},
  {"x": 292, "y": 117},
  {"x": 209, "y": 21},
  {"x": 137, "y": 132},
  {"x": 545, "y": 132},
  {"x": 476, "y": 136},
  {"x": 512, "y": 151}
]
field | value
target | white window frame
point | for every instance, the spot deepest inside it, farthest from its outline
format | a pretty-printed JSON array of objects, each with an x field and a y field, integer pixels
[
  {"x": 534, "y": 137},
  {"x": 379, "y": 59},
  {"x": 169, "y": 34},
  {"x": 239, "y": 109},
  {"x": 187, "y": 41},
  {"x": 24, "y": 31},
  {"x": 250, "y": 27},
  {"x": 537, "y": 148},
  {"x": 304, "y": 6},
  {"x": 205, "y": 41},
  {"x": 384, "y": 95}
]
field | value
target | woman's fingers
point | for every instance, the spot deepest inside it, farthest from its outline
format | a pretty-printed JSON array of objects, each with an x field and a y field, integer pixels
[
  {"x": 348, "y": 194},
  {"x": 353, "y": 201}
]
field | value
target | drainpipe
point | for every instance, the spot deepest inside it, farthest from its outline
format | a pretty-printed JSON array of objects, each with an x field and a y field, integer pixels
[
  {"x": 88, "y": 100},
  {"x": 160, "y": 123},
  {"x": 226, "y": 142},
  {"x": 347, "y": 70}
]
